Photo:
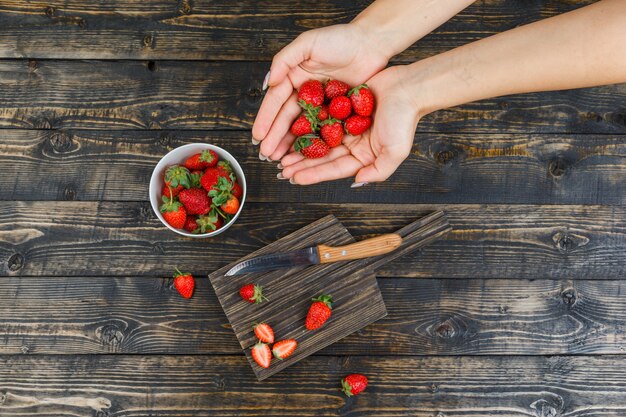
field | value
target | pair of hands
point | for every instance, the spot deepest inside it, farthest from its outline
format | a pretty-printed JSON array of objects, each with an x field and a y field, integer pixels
[{"x": 343, "y": 52}]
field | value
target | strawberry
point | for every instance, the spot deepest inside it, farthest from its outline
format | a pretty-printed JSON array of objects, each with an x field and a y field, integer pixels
[
  {"x": 231, "y": 206},
  {"x": 322, "y": 114},
  {"x": 332, "y": 132},
  {"x": 237, "y": 190},
  {"x": 211, "y": 177},
  {"x": 225, "y": 168},
  {"x": 191, "y": 225},
  {"x": 362, "y": 100},
  {"x": 335, "y": 88},
  {"x": 264, "y": 332},
  {"x": 311, "y": 146},
  {"x": 284, "y": 348},
  {"x": 202, "y": 160},
  {"x": 261, "y": 354},
  {"x": 303, "y": 126},
  {"x": 252, "y": 293},
  {"x": 195, "y": 177},
  {"x": 173, "y": 212},
  {"x": 195, "y": 200},
  {"x": 312, "y": 92},
  {"x": 356, "y": 125},
  {"x": 353, "y": 384},
  {"x": 184, "y": 283},
  {"x": 319, "y": 312},
  {"x": 340, "y": 107},
  {"x": 177, "y": 175},
  {"x": 209, "y": 222},
  {"x": 170, "y": 192}
]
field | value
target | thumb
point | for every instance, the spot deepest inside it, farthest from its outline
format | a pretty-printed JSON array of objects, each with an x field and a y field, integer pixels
[
  {"x": 382, "y": 168},
  {"x": 288, "y": 58}
]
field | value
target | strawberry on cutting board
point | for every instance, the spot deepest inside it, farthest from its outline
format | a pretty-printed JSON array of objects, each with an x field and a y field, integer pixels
[
  {"x": 319, "y": 312},
  {"x": 264, "y": 332},
  {"x": 284, "y": 348},
  {"x": 252, "y": 293},
  {"x": 261, "y": 354}
]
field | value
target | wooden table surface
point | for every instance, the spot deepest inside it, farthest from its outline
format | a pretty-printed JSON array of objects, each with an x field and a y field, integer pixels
[{"x": 518, "y": 312}]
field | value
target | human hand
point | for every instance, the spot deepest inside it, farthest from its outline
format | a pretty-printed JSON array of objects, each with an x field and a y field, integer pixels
[
  {"x": 344, "y": 52},
  {"x": 377, "y": 153}
]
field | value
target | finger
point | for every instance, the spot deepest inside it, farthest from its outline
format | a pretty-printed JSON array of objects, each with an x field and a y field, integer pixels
[
  {"x": 288, "y": 58},
  {"x": 342, "y": 167},
  {"x": 283, "y": 147},
  {"x": 291, "y": 158},
  {"x": 382, "y": 168},
  {"x": 291, "y": 170},
  {"x": 271, "y": 105},
  {"x": 281, "y": 125}
]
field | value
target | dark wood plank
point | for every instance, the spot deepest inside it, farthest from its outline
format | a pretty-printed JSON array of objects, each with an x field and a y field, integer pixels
[
  {"x": 425, "y": 317},
  {"x": 209, "y": 95},
  {"x": 443, "y": 168},
  {"x": 224, "y": 386},
  {"x": 204, "y": 29},
  {"x": 488, "y": 241}
]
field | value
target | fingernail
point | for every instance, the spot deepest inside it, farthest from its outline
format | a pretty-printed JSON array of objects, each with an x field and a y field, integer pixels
[
  {"x": 266, "y": 80},
  {"x": 358, "y": 184},
  {"x": 255, "y": 142},
  {"x": 268, "y": 159},
  {"x": 261, "y": 156},
  {"x": 292, "y": 181},
  {"x": 280, "y": 166},
  {"x": 280, "y": 176}
]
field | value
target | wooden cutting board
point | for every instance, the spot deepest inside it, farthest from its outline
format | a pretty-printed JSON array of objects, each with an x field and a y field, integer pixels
[{"x": 353, "y": 286}]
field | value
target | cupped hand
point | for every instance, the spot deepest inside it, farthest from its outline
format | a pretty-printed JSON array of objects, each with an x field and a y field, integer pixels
[
  {"x": 377, "y": 153},
  {"x": 344, "y": 52}
]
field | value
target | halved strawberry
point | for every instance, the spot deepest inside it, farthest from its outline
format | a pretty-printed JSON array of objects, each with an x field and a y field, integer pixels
[
  {"x": 284, "y": 348},
  {"x": 261, "y": 354},
  {"x": 264, "y": 332}
]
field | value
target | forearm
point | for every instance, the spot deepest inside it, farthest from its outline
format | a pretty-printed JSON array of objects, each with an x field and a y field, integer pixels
[
  {"x": 582, "y": 48},
  {"x": 397, "y": 24}
]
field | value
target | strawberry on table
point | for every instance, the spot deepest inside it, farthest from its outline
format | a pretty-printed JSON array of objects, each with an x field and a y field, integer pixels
[
  {"x": 177, "y": 175},
  {"x": 173, "y": 212},
  {"x": 252, "y": 293},
  {"x": 312, "y": 92},
  {"x": 353, "y": 384},
  {"x": 209, "y": 222},
  {"x": 201, "y": 160},
  {"x": 332, "y": 132},
  {"x": 184, "y": 283},
  {"x": 362, "y": 100},
  {"x": 195, "y": 200},
  {"x": 284, "y": 348},
  {"x": 335, "y": 88},
  {"x": 356, "y": 125},
  {"x": 191, "y": 225},
  {"x": 340, "y": 107},
  {"x": 264, "y": 332},
  {"x": 311, "y": 146},
  {"x": 319, "y": 312},
  {"x": 261, "y": 354}
]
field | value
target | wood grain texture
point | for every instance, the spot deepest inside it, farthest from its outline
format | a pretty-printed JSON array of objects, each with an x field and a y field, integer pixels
[
  {"x": 357, "y": 301},
  {"x": 443, "y": 168},
  {"x": 39, "y": 94},
  {"x": 488, "y": 241},
  {"x": 211, "y": 30},
  {"x": 425, "y": 317},
  {"x": 187, "y": 386}
]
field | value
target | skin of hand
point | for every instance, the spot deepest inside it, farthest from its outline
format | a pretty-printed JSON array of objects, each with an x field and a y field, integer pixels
[
  {"x": 374, "y": 155},
  {"x": 343, "y": 52}
]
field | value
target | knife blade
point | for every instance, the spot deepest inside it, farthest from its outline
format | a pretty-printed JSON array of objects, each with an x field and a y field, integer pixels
[{"x": 319, "y": 254}]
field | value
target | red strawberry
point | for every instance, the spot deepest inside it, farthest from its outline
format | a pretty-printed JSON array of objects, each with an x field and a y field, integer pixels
[
  {"x": 210, "y": 178},
  {"x": 323, "y": 113},
  {"x": 264, "y": 332},
  {"x": 353, "y": 384},
  {"x": 332, "y": 132},
  {"x": 312, "y": 92},
  {"x": 195, "y": 200},
  {"x": 170, "y": 192},
  {"x": 237, "y": 190},
  {"x": 319, "y": 312},
  {"x": 208, "y": 223},
  {"x": 225, "y": 169},
  {"x": 362, "y": 100},
  {"x": 177, "y": 175},
  {"x": 202, "y": 160},
  {"x": 191, "y": 225},
  {"x": 231, "y": 206},
  {"x": 252, "y": 293},
  {"x": 261, "y": 354},
  {"x": 335, "y": 88},
  {"x": 195, "y": 178},
  {"x": 311, "y": 146},
  {"x": 284, "y": 348},
  {"x": 184, "y": 283},
  {"x": 302, "y": 126},
  {"x": 340, "y": 107},
  {"x": 173, "y": 212},
  {"x": 356, "y": 125}
]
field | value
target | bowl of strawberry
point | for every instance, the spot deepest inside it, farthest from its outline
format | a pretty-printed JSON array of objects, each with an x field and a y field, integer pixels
[{"x": 198, "y": 190}]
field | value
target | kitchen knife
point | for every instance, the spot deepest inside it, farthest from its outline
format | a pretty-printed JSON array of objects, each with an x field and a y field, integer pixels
[{"x": 320, "y": 254}]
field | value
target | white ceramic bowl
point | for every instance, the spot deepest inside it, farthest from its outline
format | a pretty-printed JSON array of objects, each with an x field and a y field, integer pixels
[{"x": 178, "y": 156}]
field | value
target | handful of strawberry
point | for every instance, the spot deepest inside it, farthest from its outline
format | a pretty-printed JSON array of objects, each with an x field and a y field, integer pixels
[
  {"x": 200, "y": 195},
  {"x": 328, "y": 112}
]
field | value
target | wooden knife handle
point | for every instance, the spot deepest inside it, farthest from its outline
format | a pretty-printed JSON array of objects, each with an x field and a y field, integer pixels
[{"x": 375, "y": 246}]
